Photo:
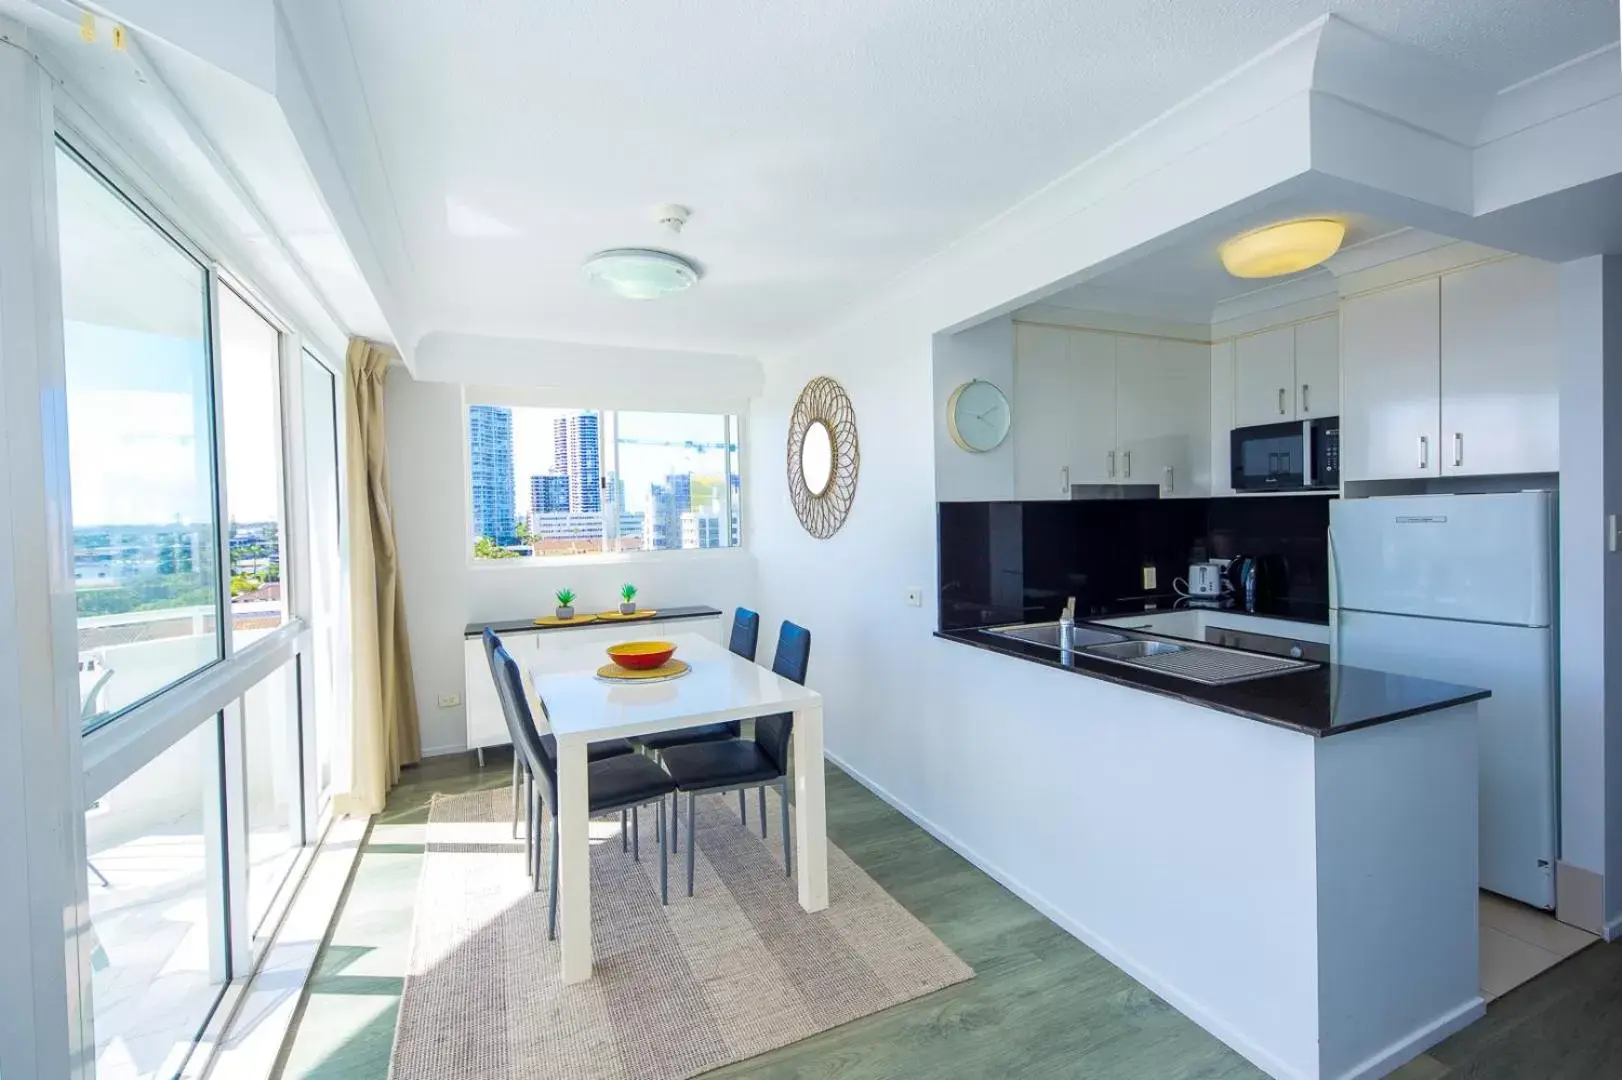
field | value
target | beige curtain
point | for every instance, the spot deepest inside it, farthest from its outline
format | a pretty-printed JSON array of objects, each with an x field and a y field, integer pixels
[{"x": 383, "y": 714}]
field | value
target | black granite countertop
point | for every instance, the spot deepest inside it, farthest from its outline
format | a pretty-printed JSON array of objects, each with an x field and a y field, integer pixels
[
  {"x": 509, "y": 626},
  {"x": 1325, "y": 700},
  {"x": 1303, "y": 611}
]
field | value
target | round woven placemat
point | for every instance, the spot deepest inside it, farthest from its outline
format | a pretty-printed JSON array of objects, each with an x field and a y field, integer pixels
[
  {"x": 553, "y": 620},
  {"x": 614, "y": 616},
  {"x": 670, "y": 669}
]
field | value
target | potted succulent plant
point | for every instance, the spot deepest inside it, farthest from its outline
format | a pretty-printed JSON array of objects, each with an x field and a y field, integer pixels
[
  {"x": 628, "y": 600},
  {"x": 565, "y": 604}
]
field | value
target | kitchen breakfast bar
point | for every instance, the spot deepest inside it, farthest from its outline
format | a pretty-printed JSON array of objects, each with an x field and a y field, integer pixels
[{"x": 1290, "y": 861}]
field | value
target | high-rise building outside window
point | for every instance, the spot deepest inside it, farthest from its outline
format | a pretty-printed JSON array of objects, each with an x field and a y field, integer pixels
[{"x": 490, "y": 443}]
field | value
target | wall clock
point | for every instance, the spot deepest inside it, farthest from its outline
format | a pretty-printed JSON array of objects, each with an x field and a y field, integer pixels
[
  {"x": 823, "y": 457},
  {"x": 978, "y": 416}
]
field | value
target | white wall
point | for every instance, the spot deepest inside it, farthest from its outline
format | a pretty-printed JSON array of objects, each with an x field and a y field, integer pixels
[
  {"x": 1590, "y": 577},
  {"x": 444, "y": 591},
  {"x": 980, "y": 352}
]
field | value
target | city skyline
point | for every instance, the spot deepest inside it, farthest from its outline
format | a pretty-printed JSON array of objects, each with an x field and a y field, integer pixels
[{"x": 565, "y": 496}]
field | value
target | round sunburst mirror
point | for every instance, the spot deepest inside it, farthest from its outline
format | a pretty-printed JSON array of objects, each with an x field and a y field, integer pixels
[{"x": 823, "y": 457}]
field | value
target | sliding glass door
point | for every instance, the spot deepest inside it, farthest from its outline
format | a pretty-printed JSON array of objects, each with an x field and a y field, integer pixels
[{"x": 204, "y": 473}]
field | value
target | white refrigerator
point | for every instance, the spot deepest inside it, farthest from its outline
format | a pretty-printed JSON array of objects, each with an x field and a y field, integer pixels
[{"x": 1461, "y": 588}]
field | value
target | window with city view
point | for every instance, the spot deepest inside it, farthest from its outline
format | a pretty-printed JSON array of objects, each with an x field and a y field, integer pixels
[
  {"x": 140, "y": 446},
  {"x": 549, "y": 482}
]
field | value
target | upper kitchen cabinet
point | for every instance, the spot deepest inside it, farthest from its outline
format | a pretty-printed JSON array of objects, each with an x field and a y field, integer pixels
[
  {"x": 1390, "y": 358},
  {"x": 1500, "y": 368},
  {"x": 1044, "y": 391},
  {"x": 1287, "y": 373},
  {"x": 1093, "y": 407},
  {"x": 1264, "y": 378},
  {"x": 1094, "y": 424},
  {"x": 1454, "y": 375},
  {"x": 1162, "y": 410},
  {"x": 1317, "y": 368}
]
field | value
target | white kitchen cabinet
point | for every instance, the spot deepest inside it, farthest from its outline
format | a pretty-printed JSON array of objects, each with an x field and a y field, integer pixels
[
  {"x": 1287, "y": 373},
  {"x": 1500, "y": 369},
  {"x": 1044, "y": 387},
  {"x": 1094, "y": 419},
  {"x": 1317, "y": 368},
  {"x": 1161, "y": 408},
  {"x": 1264, "y": 378},
  {"x": 1390, "y": 358},
  {"x": 1093, "y": 407}
]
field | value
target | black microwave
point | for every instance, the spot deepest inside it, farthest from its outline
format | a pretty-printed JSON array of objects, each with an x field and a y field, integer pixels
[{"x": 1287, "y": 457}]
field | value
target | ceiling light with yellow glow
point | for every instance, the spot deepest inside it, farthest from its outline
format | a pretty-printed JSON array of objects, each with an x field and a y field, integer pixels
[{"x": 1283, "y": 248}]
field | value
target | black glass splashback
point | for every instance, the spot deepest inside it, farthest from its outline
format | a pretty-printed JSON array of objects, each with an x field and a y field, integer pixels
[{"x": 1003, "y": 562}]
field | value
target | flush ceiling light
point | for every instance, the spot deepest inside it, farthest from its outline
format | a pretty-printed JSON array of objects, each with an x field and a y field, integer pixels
[
  {"x": 641, "y": 273},
  {"x": 1283, "y": 248}
]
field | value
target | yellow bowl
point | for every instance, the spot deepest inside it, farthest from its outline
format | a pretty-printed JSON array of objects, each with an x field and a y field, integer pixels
[{"x": 641, "y": 655}]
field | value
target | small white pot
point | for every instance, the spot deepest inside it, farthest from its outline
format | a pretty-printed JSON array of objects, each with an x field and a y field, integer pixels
[
  {"x": 628, "y": 609},
  {"x": 565, "y": 613}
]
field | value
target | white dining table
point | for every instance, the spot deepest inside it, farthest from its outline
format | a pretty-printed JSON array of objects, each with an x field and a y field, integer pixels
[{"x": 720, "y": 686}]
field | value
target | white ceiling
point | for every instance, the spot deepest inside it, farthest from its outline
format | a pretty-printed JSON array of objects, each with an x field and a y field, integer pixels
[
  {"x": 1185, "y": 281},
  {"x": 824, "y": 148}
]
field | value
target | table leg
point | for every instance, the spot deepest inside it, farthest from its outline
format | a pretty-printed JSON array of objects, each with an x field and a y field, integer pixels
[
  {"x": 574, "y": 860},
  {"x": 810, "y": 812}
]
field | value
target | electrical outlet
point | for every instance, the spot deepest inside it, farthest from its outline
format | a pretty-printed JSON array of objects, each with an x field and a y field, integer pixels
[
  {"x": 915, "y": 597},
  {"x": 449, "y": 701}
]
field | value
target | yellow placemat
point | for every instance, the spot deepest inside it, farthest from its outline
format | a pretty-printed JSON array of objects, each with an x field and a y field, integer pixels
[
  {"x": 553, "y": 620},
  {"x": 614, "y": 616},
  {"x": 671, "y": 669}
]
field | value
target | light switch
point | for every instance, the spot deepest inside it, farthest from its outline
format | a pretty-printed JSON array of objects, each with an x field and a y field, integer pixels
[
  {"x": 915, "y": 597},
  {"x": 449, "y": 701}
]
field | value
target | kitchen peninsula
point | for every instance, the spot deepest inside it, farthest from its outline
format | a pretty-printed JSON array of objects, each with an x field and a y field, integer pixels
[
  {"x": 1287, "y": 851},
  {"x": 1290, "y": 861}
]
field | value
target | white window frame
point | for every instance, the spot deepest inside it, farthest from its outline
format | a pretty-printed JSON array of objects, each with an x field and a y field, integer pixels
[{"x": 536, "y": 398}]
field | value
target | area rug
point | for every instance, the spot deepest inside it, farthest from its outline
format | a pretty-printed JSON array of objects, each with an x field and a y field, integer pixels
[{"x": 731, "y": 972}]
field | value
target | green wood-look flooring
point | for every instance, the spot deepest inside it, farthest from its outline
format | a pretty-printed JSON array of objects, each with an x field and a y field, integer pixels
[{"x": 1041, "y": 1004}]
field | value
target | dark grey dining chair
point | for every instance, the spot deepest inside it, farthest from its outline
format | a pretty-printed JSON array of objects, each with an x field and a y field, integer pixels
[
  {"x": 595, "y": 752},
  {"x": 738, "y": 764},
  {"x": 743, "y": 642},
  {"x": 618, "y": 783}
]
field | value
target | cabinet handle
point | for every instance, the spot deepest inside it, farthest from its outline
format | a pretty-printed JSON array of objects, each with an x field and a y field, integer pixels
[
  {"x": 1126, "y": 463},
  {"x": 1305, "y": 408},
  {"x": 1064, "y": 479},
  {"x": 1281, "y": 401},
  {"x": 1424, "y": 452},
  {"x": 1111, "y": 457},
  {"x": 1168, "y": 478},
  {"x": 1458, "y": 449}
]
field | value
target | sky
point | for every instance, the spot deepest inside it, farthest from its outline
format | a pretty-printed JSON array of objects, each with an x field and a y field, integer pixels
[{"x": 138, "y": 422}]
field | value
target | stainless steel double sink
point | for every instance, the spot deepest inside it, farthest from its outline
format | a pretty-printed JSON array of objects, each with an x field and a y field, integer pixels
[{"x": 1210, "y": 665}]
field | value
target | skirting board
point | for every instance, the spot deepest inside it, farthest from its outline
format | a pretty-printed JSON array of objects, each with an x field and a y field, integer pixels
[{"x": 1415, "y": 1044}]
